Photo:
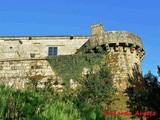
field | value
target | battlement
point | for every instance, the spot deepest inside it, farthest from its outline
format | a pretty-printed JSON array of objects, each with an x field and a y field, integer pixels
[
  {"x": 125, "y": 41},
  {"x": 117, "y": 41},
  {"x": 100, "y": 36},
  {"x": 124, "y": 37}
]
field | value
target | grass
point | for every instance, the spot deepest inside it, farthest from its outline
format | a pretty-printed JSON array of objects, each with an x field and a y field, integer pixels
[{"x": 45, "y": 104}]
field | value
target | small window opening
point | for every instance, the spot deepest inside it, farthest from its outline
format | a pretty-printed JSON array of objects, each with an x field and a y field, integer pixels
[{"x": 32, "y": 55}]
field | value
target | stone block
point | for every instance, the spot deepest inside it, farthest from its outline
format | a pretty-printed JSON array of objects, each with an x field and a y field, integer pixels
[
  {"x": 6, "y": 68},
  {"x": 2, "y": 75}
]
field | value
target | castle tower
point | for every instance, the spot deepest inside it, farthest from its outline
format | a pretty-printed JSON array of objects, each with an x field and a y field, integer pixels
[{"x": 125, "y": 54}]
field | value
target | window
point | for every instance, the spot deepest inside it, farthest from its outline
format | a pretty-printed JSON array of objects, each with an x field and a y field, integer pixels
[
  {"x": 52, "y": 51},
  {"x": 32, "y": 55}
]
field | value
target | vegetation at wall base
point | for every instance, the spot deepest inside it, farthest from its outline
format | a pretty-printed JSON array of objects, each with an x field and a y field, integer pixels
[
  {"x": 37, "y": 103},
  {"x": 90, "y": 101},
  {"x": 45, "y": 104}
]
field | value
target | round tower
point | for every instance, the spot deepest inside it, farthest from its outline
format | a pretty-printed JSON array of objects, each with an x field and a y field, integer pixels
[{"x": 125, "y": 54}]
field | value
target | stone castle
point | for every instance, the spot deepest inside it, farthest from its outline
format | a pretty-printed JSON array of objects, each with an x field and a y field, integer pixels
[{"x": 22, "y": 58}]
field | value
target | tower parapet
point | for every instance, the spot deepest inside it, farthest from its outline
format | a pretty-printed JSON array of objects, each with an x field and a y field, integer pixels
[
  {"x": 126, "y": 40},
  {"x": 126, "y": 52}
]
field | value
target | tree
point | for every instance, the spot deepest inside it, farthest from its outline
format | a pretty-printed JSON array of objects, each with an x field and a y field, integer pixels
[
  {"x": 97, "y": 87},
  {"x": 149, "y": 99}
]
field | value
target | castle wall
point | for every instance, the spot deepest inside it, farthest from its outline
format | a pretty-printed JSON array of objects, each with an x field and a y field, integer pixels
[
  {"x": 22, "y": 47},
  {"x": 16, "y": 65},
  {"x": 17, "y": 73},
  {"x": 125, "y": 53}
]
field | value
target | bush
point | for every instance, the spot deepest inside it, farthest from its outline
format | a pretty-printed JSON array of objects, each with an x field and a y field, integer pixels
[{"x": 97, "y": 87}]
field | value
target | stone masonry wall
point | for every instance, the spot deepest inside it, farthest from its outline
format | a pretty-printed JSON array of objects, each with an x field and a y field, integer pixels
[
  {"x": 17, "y": 73},
  {"x": 16, "y": 48},
  {"x": 122, "y": 66}
]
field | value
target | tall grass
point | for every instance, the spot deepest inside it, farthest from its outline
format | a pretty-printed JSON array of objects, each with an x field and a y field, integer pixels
[{"x": 45, "y": 104}]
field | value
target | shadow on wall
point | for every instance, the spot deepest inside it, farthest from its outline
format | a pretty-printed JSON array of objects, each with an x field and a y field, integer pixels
[{"x": 144, "y": 95}]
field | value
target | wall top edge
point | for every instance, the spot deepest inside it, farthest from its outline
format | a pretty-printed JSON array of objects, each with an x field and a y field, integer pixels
[
  {"x": 43, "y": 37},
  {"x": 125, "y": 32}
]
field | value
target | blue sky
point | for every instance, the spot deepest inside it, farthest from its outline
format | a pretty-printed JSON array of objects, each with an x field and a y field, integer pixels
[{"x": 74, "y": 17}]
